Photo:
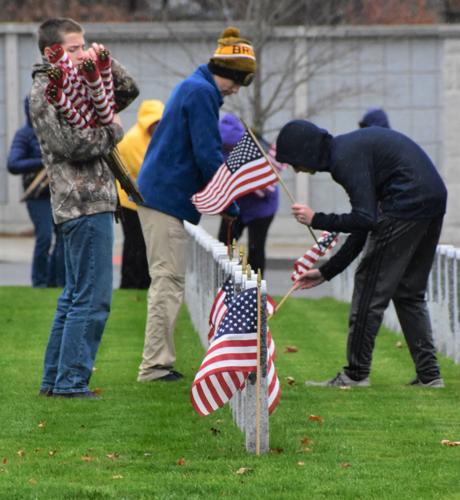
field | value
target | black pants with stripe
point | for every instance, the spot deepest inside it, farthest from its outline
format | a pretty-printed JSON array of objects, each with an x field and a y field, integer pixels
[{"x": 395, "y": 266}]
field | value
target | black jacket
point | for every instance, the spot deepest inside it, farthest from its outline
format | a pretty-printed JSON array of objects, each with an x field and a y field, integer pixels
[{"x": 382, "y": 171}]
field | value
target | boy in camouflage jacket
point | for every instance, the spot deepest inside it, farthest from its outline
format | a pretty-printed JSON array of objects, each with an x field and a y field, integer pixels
[{"x": 83, "y": 197}]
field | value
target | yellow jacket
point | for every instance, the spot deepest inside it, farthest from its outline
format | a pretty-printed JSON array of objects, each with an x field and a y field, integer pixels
[{"x": 134, "y": 144}]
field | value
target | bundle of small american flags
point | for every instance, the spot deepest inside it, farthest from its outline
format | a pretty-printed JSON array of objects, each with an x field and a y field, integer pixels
[
  {"x": 232, "y": 353},
  {"x": 326, "y": 242},
  {"x": 245, "y": 171},
  {"x": 83, "y": 95}
]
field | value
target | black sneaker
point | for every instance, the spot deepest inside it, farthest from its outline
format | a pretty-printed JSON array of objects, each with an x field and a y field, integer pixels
[
  {"x": 340, "y": 380},
  {"x": 47, "y": 393},
  {"x": 436, "y": 383},
  {"x": 172, "y": 376},
  {"x": 77, "y": 395}
]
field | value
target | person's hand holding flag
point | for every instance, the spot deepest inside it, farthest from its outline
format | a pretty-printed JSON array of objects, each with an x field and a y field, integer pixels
[{"x": 309, "y": 279}]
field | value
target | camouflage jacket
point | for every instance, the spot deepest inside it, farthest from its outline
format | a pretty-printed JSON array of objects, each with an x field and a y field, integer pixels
[{"x": 81, "y": 183}]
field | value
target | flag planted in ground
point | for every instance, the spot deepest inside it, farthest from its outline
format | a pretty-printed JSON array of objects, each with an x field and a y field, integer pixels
[
  {"x": 245, "y": 171},
  {"x": 273, "y": 383},
  {"x": 326, "y": 242}
]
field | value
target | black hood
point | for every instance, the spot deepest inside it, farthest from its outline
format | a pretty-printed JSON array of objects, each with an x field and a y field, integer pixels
[{"x": 301, "y": 143}]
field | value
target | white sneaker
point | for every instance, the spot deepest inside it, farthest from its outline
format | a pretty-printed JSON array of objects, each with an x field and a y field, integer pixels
[
  {"x": 437, "y": 383},
  {"x": 340, "y": 380}
]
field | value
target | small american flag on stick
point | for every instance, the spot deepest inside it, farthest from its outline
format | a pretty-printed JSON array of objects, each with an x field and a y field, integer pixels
[
  {"x": 326, "y": 242},
  {"x": 245, "y": 171}
]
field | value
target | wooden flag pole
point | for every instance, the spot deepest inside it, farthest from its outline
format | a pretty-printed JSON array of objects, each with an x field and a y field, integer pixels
[
  {"x": 283, "y": 300},
  {"x": 39, "y": 180},
  {"x": 275, "y": 171},
  {"x": 259, "y": 371}
]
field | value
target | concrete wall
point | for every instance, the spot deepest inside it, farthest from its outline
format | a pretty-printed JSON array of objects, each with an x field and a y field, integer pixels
[{"x": 413, "y": 72}]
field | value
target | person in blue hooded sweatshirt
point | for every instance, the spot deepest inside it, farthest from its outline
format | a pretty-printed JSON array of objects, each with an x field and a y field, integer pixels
[
  {"x": 25, "y": 158},
  {"x": 183, "y": 156},
  {"x": 398, "y": 201}
]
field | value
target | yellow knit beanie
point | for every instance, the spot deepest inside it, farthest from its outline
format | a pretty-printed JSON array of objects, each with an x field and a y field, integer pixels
[{"x": 234, "y": 58}]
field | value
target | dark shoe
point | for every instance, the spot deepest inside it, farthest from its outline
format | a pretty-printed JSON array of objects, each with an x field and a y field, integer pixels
[
  {"x": 77, "y": 395},
  {"x": 436, "y": 383},
  {"x": 172, "y": 376},
  {"x": 45, "y": 392},
  {"x": 340, "y": 380}
]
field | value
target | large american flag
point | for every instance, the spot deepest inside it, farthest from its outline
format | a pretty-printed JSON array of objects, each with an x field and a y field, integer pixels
[
  {"x": 231, "y": 356},
  {"x": 246, "y": 170},
  {"x": 326, "y": 242}
]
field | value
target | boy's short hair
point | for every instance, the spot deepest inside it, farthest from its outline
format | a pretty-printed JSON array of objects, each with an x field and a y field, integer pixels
[{"x": 51, "y": 31}]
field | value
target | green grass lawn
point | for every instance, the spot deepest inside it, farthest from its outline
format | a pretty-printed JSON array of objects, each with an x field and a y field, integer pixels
[{"x": 146, "y": 441}]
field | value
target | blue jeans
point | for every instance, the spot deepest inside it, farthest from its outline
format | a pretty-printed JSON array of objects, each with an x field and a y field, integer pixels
[
  {"x": 84, "y": 305},
  {"x": 40, "y": 215}
]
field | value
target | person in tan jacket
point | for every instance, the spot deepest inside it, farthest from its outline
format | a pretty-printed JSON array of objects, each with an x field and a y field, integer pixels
[{"x": 132, "y": 148}]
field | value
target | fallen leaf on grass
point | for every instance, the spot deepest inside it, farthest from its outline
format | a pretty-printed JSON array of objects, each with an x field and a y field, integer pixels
[
  {"x": 117, "y": 476},
  {"x": 243, "y": 470},
  {"x": 305, "y": 450},
  {"x": 51, "y": 453},
  {"x": 306, "y": 441},
  {"x": 87, "y": 458},
  {"x": 290, "y": 380},
  {"x": 447, "y": 442},
  {"x": 214, "y": 431},
  {"x": 146, "y": 454},
  {"x": 316, "y": 418},
  {"x": 42, "y": 424},
  {"x": 4, "y": 460},
  {"x": 278, "y": 451},
  {"x": 98, "y": 391},
  {"x": 32, "y": 481},
  {"x": 399, "y": 344},
  {"x": 112, "y": 456},
  {"x": 21, "y": 453},
  {"x": 301, "y": 464},
  {"x": 181, "y": 461},
  {"x": 291, "y": 348},
  {"x": 345, "y": 465}
]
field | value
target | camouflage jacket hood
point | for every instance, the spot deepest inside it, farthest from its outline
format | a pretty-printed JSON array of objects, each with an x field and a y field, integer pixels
[{"x": 81, "y": 183}]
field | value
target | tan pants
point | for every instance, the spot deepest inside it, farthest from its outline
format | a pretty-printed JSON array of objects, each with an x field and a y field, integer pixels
[{"x": 165, "y": 240}]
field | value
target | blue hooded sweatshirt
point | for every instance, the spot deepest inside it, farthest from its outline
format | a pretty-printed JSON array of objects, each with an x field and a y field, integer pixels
[
  {"x": 186, "y": 149},
  {"x": 382, "y": 171},
  {"x": 25, "y": 156},
  {"x": 375, "y": 117}
]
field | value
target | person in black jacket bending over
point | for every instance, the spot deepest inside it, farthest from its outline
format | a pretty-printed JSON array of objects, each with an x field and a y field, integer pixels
[{"x": 398, "y": 201}]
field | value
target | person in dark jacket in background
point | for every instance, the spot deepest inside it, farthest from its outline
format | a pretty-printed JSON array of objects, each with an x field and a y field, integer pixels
[
  {"x": 374, "y": 117},
  {"x": 257, "y": 209},
  {"x": 398, "y": 201},
  {"x": 25, "y": 158}
]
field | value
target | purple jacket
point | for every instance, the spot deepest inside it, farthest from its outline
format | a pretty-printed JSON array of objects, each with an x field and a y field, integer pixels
[{"x": 252, "y": 206}]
